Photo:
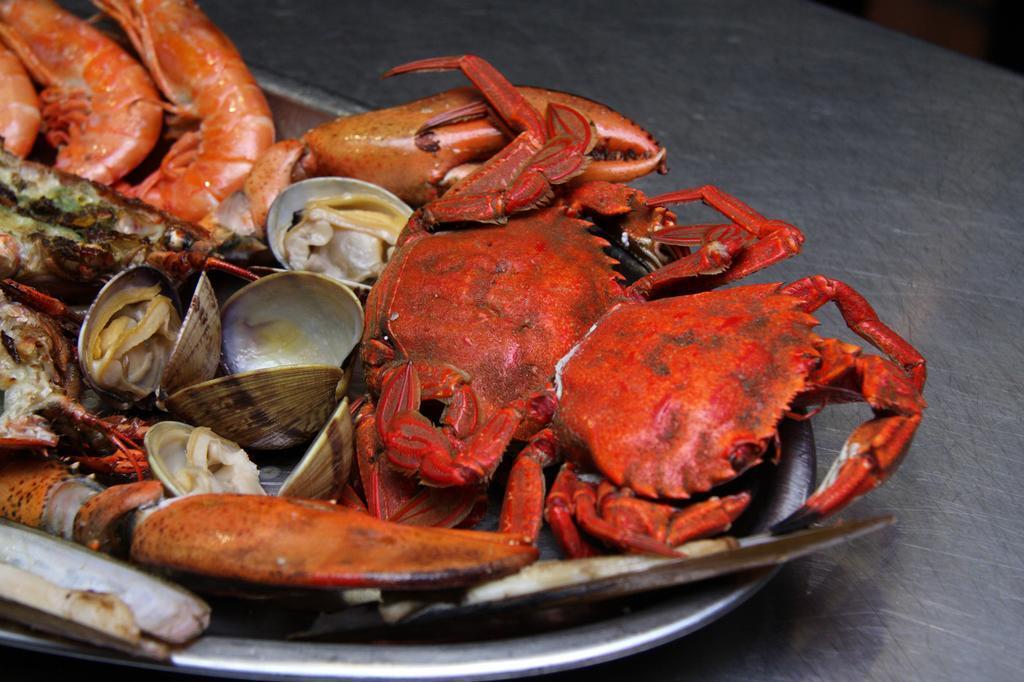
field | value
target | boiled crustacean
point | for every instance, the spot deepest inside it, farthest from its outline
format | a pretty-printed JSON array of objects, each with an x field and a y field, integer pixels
[
  {"x": 667, "y": 399},
  {"x": 421, "y": 149},
  {"x": 19, "y": 106},
  {"x": 454, "y": 320},
  {"x": 251, "y": 540},
  {"x": 67, "y": 235},
  {"x": 99, "y": 105},
  {"x": 41, "y": 384},
  {"x": 201, "y": 73}
]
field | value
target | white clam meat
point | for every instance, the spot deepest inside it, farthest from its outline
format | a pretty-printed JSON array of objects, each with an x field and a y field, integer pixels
[
  {"x": 346, "y": 228},
  {"x": 190, "y": 460},
  {"x": 131, "y": 342},
  {"x": 135, "y": 345}
]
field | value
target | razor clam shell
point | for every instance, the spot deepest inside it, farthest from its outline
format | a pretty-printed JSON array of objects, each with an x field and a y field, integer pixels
[
  {"x": 271, "y": 409},
  {"x": 142, "y": 275},
  {"x": 161, "y": 609},
  {"x": 196, "y": 351},
  {"x": 290, "y": 318},
  {"x": 176, "y": 436},
  {"x": 533, "y": 583},
  {"x": 324, "y": 469},
  {"x": 96, "y": 618}
]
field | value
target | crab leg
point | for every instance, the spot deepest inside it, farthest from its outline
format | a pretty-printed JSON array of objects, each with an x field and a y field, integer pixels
[
  {"x": 560, "y": 509},
  {"x": 727, "y": 252},
  {"x": 548, "y": 150},
  {"x": 619, "y": 518},
  {"x": 875, "y": 449},
  {"x": 506, "y": 100},
  {"x": 859, "y": 316},
  {"x": 439, "y": 456},
  {"x": 395, "y": 497},
  {"x": 522, "y": 510}
]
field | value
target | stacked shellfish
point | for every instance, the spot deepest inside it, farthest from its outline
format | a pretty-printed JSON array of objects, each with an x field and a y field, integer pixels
[{"x": 268, "y": 370}]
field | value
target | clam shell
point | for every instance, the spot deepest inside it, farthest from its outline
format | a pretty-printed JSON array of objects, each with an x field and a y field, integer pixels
[
  {"x": 324, "y": 469},
  {"x": 188, "y": 459},
  {"x": 271, "y": 408},
  {"x": 196, "y": 351},
  {"x": 349, "y": 243},
  {"x": 124, "y": 392},
  {"x": 290, "y": 318}
]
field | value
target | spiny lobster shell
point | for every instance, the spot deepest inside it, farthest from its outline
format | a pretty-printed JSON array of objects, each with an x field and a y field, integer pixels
[{"x": 661, "y": 395}]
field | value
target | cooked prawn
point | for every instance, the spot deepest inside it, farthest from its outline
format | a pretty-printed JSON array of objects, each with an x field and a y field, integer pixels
[
  {"x": 100, "y": 108},
  {"x": 19, "y": 106},
  {"x": 199, "y": 70}
]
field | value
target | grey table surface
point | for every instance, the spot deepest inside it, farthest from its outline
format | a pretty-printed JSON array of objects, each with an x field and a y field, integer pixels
[{"x": 904, "y": 165}]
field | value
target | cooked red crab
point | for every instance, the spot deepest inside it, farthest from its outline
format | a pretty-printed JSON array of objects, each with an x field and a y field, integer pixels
[
  {"x": 474, "y": 321},
  {"x": 671, "y": 398},
  {"x": 475, "y": 318}
]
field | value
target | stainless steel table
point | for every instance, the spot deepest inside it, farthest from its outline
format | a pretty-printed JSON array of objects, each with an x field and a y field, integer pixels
[{"x": 904, "y": 165}]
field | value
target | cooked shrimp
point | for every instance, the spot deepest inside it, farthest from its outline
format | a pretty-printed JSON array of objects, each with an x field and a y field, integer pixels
[
  {"x": 201, "y": 73},
  {"x": 19, "y": 106},
  {"x": 100, "y": 108}
]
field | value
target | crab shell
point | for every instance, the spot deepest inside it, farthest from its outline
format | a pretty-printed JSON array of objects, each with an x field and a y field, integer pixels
[
  {"x": 676, "y": 396},
  {"x": 501, "y": 304}
]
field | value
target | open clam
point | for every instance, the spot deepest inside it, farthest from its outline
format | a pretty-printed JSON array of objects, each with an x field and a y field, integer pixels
[
  {"x": 324, "y": 469},
  {"x": 285, "y": 339},
  {"x": 194, "y": 459},
  {"x": 345, "y": 228},
  {"x": 189, "y": 459},
  {"x": 135, "y": 344}
]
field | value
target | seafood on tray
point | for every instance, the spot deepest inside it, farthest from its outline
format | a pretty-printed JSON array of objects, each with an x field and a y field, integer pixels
[
  {"x": 422, "y": 149},
  {"x": 498, "y": 326}
]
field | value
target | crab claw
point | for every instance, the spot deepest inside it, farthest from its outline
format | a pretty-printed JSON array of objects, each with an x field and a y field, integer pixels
[
  {"x": 869, "y": 456},
  {"x": 303, "y": 543}
]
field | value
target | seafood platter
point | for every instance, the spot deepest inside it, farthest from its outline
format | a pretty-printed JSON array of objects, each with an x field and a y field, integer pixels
[{"x": 292, "y": 387}]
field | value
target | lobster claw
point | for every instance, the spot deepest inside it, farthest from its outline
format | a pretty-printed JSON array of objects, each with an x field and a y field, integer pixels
[{"x": 284, "y": 542}]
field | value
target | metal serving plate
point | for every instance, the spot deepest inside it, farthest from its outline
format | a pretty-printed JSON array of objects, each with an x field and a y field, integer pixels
[{"x": 248, "y": 638}]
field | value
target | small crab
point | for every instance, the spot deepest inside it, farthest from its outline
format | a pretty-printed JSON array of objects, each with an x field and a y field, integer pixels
[{"x": 670, "y": 398}]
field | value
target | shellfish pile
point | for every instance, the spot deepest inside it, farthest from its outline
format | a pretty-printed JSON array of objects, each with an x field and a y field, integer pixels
[{"x": 535, "y": 331}]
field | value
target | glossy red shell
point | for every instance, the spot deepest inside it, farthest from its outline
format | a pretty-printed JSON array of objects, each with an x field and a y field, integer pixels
[
  {"x": 660, "y": 395},
  {"x": 503, "y": 303}
]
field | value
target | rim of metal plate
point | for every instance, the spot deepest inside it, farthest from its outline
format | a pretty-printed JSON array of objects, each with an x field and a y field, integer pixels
[
  {"x": 298, "y": 107},
  {"x": 680, "y": 613}
]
